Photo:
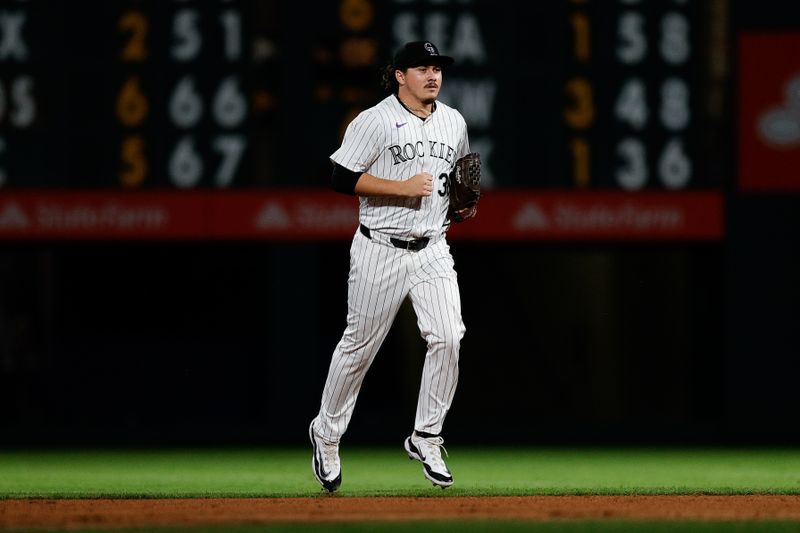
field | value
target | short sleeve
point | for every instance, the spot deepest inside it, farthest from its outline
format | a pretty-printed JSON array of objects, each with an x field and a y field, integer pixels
[
  {"x": 463, "y": 145},
  {"x": 464, "y": 148},
  {"x": 361, "y": 145}
]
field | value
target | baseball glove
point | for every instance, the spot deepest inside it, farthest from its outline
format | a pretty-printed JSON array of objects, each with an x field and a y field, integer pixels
[{"x": 465, "y": 186}]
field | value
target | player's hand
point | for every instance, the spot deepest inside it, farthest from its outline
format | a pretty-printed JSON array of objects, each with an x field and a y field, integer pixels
[{"x": 419, "y": 185}]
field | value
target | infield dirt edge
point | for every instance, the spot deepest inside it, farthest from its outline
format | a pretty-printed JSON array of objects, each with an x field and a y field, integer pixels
[{"x": 118, "y": 513}]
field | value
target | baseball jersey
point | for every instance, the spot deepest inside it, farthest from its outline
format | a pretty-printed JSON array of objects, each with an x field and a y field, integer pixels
[{"x": 391, "y": 143}]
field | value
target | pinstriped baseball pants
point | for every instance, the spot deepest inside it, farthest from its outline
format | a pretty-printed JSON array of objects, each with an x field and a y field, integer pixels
[{"x": 381, "y": 277}]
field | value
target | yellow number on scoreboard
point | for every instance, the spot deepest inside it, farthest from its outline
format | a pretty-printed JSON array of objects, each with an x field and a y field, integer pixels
[
  {"x": 132, "y": 104},
  {"x": 580, "y": 161},
  {"x": 135, "y": 23},
  {"x": 356, "y": 15},
  {"x": 134, "y": 162},
  {"x": 582, "y": 36},
  {"x": 581, "y": 114}
]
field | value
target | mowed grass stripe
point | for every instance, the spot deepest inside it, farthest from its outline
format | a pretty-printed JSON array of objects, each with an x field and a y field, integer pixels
[{"x": 387, "y": 472}]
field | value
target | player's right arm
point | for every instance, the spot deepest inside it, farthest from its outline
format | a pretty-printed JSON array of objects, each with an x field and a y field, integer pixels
[
  {"x": 361, "y": 146},
  {"x": 416, "y": 186},
  {"x": 364, "y": 184}
]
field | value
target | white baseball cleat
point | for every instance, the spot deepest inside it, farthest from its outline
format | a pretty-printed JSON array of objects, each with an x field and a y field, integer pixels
[
  {"x": 325, "y": 462},
  {"x": 428, "y": 451}
]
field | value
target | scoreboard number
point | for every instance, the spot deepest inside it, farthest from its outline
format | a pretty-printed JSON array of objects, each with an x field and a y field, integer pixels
[
  {"x": 633, "y": 173},
  {"x": 186, "y": 104},
  {"x": 231, "y": 148},
  {"x": 582, "y": 44},
  {"x": 581, "y": 156},
  {"x": 18, "y": 103},
  {"x": 132, "y": 106},
  {"x": 633, "y": 42},
  {"x": 134, "y": 162},
  {"x": 581, "y": 114},
  {"x": 232, "y": 25},
  {"x": 185, "y": 165},
  {"x": 230, "y": 105},
  {"x": 674, "y": 167},
  {"x": 187, "y": 35},
  {"x": 134, "y": 23},
  {"x": 631, "y": 106},
  {"x": 675, "y": 114},
  {"x": 675, "y": 47}
]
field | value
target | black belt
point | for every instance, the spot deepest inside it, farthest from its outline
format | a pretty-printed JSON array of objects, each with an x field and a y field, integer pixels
[{"x": 415, "y": 246}]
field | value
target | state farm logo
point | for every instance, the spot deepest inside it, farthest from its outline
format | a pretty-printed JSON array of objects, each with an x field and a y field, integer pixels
[
  {"x": 531, "y": 216},
  {"x": 587, "y": 214},
  {"x": 780, "y": 126},
  {"x": 306, "y": 216},
  {"x": 12, "y": 216},
  {"x": 272, "y": 216}
]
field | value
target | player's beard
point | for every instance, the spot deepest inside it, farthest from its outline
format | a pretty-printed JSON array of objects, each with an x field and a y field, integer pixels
[{"x": 428, "y": 99}]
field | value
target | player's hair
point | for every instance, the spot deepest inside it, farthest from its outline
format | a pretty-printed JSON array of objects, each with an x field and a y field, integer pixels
[{"x": 388, "y": 80}]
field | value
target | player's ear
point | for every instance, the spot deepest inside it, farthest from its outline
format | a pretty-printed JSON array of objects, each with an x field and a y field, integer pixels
[{"x": 400, "y": 76}]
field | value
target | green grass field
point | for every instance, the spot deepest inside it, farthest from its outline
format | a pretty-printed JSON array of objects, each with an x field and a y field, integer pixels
[{"x": 387, "y": 472}]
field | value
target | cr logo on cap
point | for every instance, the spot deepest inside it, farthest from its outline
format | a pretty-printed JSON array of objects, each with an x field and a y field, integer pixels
[{"x": 431, "y": 49}]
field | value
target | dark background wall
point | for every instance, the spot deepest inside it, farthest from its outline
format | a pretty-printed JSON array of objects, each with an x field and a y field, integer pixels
[
  {"x": 231, "y": 342},
  {"x": 567, "y": 342}
]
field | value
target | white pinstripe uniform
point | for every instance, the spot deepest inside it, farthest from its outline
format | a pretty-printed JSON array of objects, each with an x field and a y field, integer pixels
[{"x": 390, "y": 142}]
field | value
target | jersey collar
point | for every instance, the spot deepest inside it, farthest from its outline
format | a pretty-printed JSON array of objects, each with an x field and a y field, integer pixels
[{"x": 433, "y": 110}]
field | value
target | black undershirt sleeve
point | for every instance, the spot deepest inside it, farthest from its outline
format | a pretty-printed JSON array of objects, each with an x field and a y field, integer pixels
[{"x": 344, "y": 180}]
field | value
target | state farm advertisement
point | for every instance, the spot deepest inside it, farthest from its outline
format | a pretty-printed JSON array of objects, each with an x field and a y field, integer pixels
[
  {"x": 308, "y": 215},
  {"x": 568, "y": 216},
  {"x": 769, "y": 112}
]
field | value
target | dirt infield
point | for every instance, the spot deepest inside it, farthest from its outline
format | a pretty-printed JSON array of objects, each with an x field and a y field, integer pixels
[{"x": 197, "y": 512}]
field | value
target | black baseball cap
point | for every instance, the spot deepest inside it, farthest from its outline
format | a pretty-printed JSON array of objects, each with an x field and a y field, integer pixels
[{"x": 420, "y": 53}]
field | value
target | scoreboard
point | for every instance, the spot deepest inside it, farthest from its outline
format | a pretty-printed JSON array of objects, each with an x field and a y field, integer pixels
[
  {"x": 594, "y": 94},
  {"x": 126, "y": 94},
  {"x": 623, "y": 94},
  {"x": 190, "y": 95}
]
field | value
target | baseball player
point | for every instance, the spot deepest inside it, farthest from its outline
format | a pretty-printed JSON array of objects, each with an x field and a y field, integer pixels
[{"x": 396, "y": 157}]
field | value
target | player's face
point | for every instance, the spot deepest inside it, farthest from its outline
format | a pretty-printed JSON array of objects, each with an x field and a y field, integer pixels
[{"x": 423, "y": 82}]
